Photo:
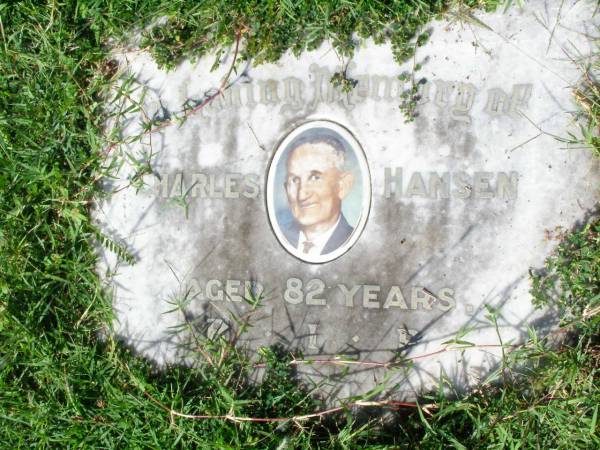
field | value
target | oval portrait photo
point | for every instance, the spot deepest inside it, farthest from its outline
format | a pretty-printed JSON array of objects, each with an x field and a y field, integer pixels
[{"x": 318, "y": 191}]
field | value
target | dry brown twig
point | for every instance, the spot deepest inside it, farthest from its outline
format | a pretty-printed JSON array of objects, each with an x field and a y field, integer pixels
[
  {"x": 388, "y": 364},
  {"x": 222, "y": 88},
  {"x": 390, "y": 404}
]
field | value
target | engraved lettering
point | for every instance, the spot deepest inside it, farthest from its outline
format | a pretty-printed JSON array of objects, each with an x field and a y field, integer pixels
[
  {"x": 312, "y": 336},
  {"x": 497, "y": 102},
  {"x": 217, "y": 103},
  {"x": 463, "y": 103},
  {"x": 268, "y": 92},
  {"x": 395, "y": 299},
  {"x": 194, "y": 290},
  {"x": 507, "y": 186},
  {"x": 443, "y": 93},
  {"x": 314, "y": 288},
  {"x": 457, "y": 97},
  {"x": 292, "y": 94},
  {"x": 481, "y": 185},
  {"x": 446, "y": 299},
  {"x": 439, "y": 187},
  {"x": 420, "y": 298},
  {"x": 212, "y": 188},
  {"x": 370, "y": 292},
  {"x": 231, "y": 181},
  {"x": 462, "y": 182},
  {"x": 391, "y": 181},
  {"x": 349, "y": 294},
  {"x": 214, "y": 291},
  {"x": 293, "y": 293},
  {"x": 250, "y": 101},
  {"x": 335, "y": 94},
  {"x": 321, "y": 79},
  {"x": 161, "y": 186},
  {"x": 376, "y": 82},
  {"x": 199, "y": 185},
  {"x": 232, "y": 290},
  {"x": 232, "y": 97},
  {"x": 423, "y": 92},
  {"x": 251, "y": 187},
  {"x": 178, "y": 188},
  {"x": 216, "y": 328},
  {"x": 361, "y": 91},
  {"x": 253, "y": 289},
  {"x": 521, "y": 93},
  {"x": 416, "y": 186}
]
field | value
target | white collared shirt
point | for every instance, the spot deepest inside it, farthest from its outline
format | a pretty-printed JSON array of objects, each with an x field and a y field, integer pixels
[{"x": 319, "y": 242}]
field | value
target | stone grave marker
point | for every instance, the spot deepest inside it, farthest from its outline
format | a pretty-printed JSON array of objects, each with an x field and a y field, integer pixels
[{"x": 368, "y": 238}]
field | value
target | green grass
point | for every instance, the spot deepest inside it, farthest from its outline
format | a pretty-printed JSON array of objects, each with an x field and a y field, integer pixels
[{"x": 62, "y": 386}]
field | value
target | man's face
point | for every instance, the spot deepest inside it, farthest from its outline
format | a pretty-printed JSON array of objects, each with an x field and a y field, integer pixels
[{"x": 315, "y": 186}]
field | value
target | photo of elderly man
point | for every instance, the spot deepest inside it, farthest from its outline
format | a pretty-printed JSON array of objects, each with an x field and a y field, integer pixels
[{"x": 316, "y": 183}]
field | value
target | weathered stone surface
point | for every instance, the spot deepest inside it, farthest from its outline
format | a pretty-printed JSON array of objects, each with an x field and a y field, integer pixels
[{"x": 450, "y": 211}]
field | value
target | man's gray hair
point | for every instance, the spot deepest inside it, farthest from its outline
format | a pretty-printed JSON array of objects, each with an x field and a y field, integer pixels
[{"x": 323, "y": 136}]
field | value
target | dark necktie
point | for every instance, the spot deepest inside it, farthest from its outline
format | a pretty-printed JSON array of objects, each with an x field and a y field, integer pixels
[{"x": 307, "y": 245}]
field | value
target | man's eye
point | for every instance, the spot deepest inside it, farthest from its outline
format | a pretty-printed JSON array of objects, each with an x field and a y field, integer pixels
[
  {"x": 314, "y": 177},
  {"x": 293, "y": 180}
]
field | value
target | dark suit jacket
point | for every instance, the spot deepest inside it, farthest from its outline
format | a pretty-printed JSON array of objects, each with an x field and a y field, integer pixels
[{"x": 340, "y": 235}]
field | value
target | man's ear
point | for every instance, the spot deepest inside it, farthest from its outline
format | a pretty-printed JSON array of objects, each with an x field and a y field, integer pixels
[{"x": 346, "y": 182}]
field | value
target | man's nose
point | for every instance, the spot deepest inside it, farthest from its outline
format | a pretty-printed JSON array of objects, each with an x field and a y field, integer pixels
[{"x": 303, "y": 191}]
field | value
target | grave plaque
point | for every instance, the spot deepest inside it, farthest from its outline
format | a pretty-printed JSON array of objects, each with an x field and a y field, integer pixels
[{"x": 368, "y": 237}]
